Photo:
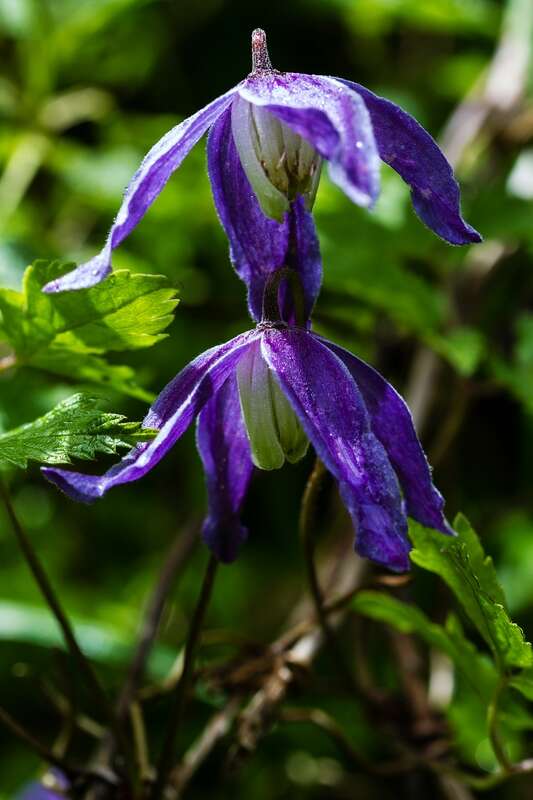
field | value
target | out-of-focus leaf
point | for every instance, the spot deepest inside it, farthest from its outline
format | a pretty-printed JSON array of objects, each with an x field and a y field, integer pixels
[
  {"x": 517, "y": 374},
  {"x": 476, "y": 668},
  {"x": 17, "y": 16},
  {"x": 75, "y": 428},
  {"x": 463, "y": 347},
  {"x": 32, "y": 625},
  {"x": 461, "y": 562}
]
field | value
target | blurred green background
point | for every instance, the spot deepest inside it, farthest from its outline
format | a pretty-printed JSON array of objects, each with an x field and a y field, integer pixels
[{"x": 86, "y": 86}]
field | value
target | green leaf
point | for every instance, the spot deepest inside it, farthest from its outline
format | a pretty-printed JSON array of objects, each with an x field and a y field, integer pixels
[
  {"x": 75, "y": 428},
  {"x": 461, "y": 562},
  {"x": 463, "y": 347},
  {"x": 67, "y": 333},
  {"x": 475, "y": 667},
  {"x": 20, "y": 622},
  {"x": 517, "y": 374}
]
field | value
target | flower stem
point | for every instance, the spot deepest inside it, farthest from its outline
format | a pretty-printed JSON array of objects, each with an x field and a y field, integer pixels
[
  {"x": 182, "y": 688},
  {"x": 271, "y": 304},
  {"x": 176, "y": 561},
  {"x": 492, "y": 723},
  {"x": 62, "y": 620},
  {"x": 307, "y": 535}
]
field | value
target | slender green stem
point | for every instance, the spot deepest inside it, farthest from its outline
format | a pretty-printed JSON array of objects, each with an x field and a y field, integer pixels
[
  {"x": 492, "y": 723},
  {"x": 182, "y": 688},
  {"x": 62, "y": 620}
]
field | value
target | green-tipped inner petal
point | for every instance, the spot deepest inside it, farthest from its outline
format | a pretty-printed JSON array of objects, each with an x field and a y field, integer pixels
[
  {"x": 278, "y": 162},
  {"x": 271, "y": 424}
]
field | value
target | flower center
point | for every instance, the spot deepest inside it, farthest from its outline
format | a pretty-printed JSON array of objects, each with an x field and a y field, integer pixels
[
  {"x": 271, "y": 424},
  {"x": 279, "y": 163}
]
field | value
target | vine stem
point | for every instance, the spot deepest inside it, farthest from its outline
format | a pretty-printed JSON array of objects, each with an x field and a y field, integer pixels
[
  {"x": 179, "y": 698},
  {"x": 62, "y": 620},
  {"x": 492, "y": 724},
  {"x": 307, "y": 536}
]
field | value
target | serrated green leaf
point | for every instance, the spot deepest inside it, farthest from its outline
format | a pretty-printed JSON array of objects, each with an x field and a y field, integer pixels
[
  {"x": 67, "y": 333},
  {"x": 75, "y": 428},
  {"x": 461, "y": 562}
]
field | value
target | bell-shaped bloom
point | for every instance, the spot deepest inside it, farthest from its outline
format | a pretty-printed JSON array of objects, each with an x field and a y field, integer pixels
[
  {"x": 268, "y": 138},
  {"x": 259, "y": 400}
]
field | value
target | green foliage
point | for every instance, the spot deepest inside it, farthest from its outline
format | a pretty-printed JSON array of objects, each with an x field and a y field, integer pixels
[
  {"x": 461, "y": 562},
  {"x": 449, "y": 639},
  {"x": 67, "y": 333},
  {"x": 75, "y": 428}
]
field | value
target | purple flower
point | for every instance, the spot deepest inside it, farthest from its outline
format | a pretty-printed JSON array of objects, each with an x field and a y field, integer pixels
[
  {"x": 45, "y": 790},
  {"x": 259, "y": 400},
  {"x": 268, "y": 138}
]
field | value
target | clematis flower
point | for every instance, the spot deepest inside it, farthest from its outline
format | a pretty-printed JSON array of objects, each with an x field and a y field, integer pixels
[
  {"x": 268, "y": 138},
  {"x": 260, "y": 399}
]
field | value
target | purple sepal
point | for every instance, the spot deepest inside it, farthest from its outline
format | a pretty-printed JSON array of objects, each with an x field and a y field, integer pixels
[
  {"x": 145, "y": 186},
  {"x": 173, "y": 411},
  {"x": 259, "y": 245},
  {"x": 225, "y": 452},
  {"x": 333, "y": 414},
  {"x": 409, "y": 149},
  {"x": 392, "y": 423}
]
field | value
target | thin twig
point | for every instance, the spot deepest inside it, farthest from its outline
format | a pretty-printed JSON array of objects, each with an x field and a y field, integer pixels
[
  {"x": 140, "y": 742},
  {"x": 327, "y": 723},
  {"x": 183, "y": 686},
  {"x": 53, "y": 603},
  {"x": 307, "y": 527},
  {"x": 38, "y": 747},
  {"x": 492, "y": 724},
  {"x": 217, "y": 727},
  {"x": 179, "y": 554},
  {"x": 256, "y": 718}
]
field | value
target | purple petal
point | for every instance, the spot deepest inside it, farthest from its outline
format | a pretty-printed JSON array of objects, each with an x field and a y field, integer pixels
[
  {"x": 173, "y": 411},
  {"x": 391, "y": 422},
  {"x": 37, "y": 790},
  {"x": 225, "y": 451},
  {"x": 414, "y": 154},
  {"x": 259, "y": 245},
  {"x": 333, "y": 414},
  {"x": 149, "y": 180},
  {"x": 334, "y": 119}
]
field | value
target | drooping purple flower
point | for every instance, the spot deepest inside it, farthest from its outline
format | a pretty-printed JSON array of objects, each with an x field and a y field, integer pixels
[
  {"x": 268, "y": 138},
  {"x": 50, "y": 788},
  {"x": 260, "y": 399}
]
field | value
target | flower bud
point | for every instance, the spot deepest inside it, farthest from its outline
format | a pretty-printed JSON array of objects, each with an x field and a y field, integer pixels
[
  {"x": 278, "y": 162},
  {"x": 273, "y": 429}
]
